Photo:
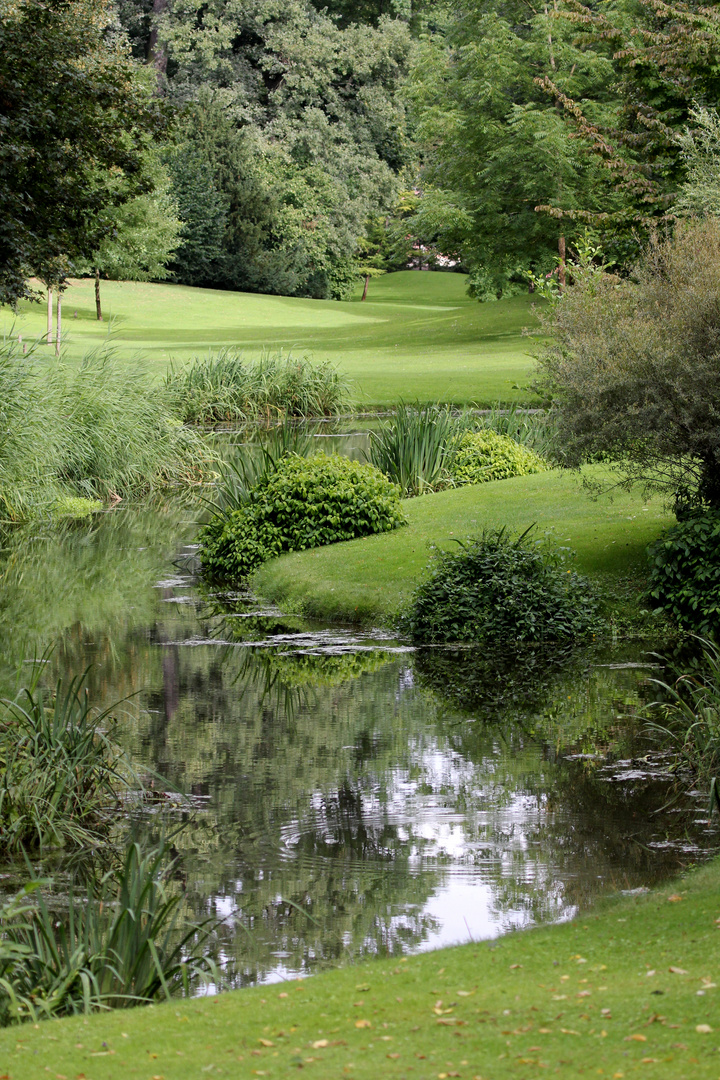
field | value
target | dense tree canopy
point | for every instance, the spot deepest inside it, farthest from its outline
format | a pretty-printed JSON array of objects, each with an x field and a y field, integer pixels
[{"x": 75, "y": 113}]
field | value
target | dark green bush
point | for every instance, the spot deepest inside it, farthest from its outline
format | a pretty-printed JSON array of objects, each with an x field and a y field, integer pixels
[
  {"x": 684, "y": 579},
  {"x": 499, "y": 588},
  {"x": 303, "y": 503},
  {"x": 486, "y": 455}
]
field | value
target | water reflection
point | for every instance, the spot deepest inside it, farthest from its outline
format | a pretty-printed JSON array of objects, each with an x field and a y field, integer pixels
[{"x": 357, "y": 796}]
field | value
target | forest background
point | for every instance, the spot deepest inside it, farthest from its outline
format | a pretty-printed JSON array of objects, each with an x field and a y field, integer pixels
[{"x": 291, "y": 147}]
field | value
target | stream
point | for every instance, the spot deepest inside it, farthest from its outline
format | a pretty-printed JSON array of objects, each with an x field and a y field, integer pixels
[{"x": 351, "y": 795}]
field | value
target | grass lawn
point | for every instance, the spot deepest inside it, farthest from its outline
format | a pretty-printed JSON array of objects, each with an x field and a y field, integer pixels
[
  {"x": 367, "y": 580},
  {"x": 416, "y": 336},
  {"x": 630, "y": 990}
]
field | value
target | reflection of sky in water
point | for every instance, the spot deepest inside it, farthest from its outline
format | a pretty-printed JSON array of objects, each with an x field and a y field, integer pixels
[{"x": 350, "y": 807}]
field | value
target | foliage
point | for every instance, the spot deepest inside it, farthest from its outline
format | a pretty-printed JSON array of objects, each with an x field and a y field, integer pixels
[
  {"x": 122, "y": 947},
  {"x": 415, "y": 448},
  {"x": 293, "y": 137},
  {"x": 700, "y": 146},
  {"x": 98, "y": 431},
  {"x": 496, "y": 587},
  {"x": 684, "y": 575},
  {"x": 74, "y": 508},
  {"x": 484, "y": 455},
  {"x": 303, "y": 503},
  {"x": 61, "y": 771},
  {"x": 533, "y": 429},
  {"x": 75, "y": 114},
  {"x": 690, "y": 710},
  {"x": 225, "y": 386},
  {"x": 634, "y": 366}
]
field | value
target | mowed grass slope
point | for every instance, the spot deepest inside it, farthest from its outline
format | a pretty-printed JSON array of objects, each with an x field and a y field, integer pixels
[
  {"x": 368, "y": 580},
  {"x": 416, "y": 336},
  {"x": 630, "y": 991}
]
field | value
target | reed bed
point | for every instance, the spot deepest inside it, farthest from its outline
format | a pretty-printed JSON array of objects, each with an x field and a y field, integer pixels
[{"x": 227, "y": 387}]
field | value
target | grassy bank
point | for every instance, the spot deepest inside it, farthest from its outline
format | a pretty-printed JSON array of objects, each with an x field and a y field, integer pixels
[
  {"x": 367, "y": 580},
  {"x": 417, "y": 334},
  {"x": 629, "y": 990}
]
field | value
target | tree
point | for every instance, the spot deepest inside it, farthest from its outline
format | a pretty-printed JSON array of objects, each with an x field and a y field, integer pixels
[
  {"x": 634, "y": 368},
  {"x": 74, "y": 112},
  {"x": 496, "y": 146},
  {"x": 145, "y": 232}
]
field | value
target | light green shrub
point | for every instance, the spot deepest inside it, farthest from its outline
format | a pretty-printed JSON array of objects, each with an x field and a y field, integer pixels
[{"x": 486, "y": 455}]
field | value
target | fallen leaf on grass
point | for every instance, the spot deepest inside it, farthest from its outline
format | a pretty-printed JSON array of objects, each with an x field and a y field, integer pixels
[
  {"x": 393, "y": 1057},
  {"x": 362, "y": 1024},
  {"x": 636, "y": 1038},
  {"x": 703, "y": 1029},
  {"x": 677, "y": 971},
  {"x": 265, "y": 1042},
  {"x": 569, "y": 1031},
  {"x": 363, "y": 987},
  {"x": 319, "y": 1045},
  {"x": 674, "y": 898}
]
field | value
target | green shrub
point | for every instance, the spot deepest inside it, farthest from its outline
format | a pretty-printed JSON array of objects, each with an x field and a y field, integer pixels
[
  {"x": 226, "y": 386},
  {"x": 499, "y": 588},
  {"x": 303, "y": 503},
  {"x": 486, "y": 455},
  {"x": 684, "y": 579}
]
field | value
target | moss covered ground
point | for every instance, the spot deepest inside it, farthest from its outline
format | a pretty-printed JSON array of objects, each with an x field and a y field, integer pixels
[
  {"x": 629, "y": 990},
  {"x": 416, "y": 336},
  {"x": 367, "y": 580}
]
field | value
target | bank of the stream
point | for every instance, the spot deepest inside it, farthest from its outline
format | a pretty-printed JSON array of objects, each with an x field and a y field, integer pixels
[
  {"x": 366, "y": 581},
  {"x": 629, "y": 990}
]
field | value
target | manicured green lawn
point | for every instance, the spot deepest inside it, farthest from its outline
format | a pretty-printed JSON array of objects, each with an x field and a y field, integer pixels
[
  {"x": 367, "y": 580},
  {"x": 630, "y": 990},
  {"x": 416, "y": 336}
]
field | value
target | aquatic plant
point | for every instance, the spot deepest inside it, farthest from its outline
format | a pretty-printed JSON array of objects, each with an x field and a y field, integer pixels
[
  {"x": 303, "y": 503},
  {"x": 535, "y": 430},
  {"x": 116, "y": 946},
  {"x": 415, "y": 448},
  {"x": 496, "y": 587},
  {"x": 61, "y": 772},
  {"x": 226, "y": 386},
  {"x": 690, "y": 711}
]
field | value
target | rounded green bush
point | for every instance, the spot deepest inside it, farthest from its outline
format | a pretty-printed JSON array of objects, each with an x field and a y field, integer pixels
[
  {"x": 496, "y": 588},
  {"x": 302, "y": 503},
  {"x": 486, "y": 455},
  {"x": 684, "y": 579}
]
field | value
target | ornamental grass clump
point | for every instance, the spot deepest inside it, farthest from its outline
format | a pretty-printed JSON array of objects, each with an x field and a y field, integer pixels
[
  {"x": 415, "y": 448},
  {"x": 301, "y": 503},
  {"x": 500, "y": 588},
  {"x": 225, "y": 386},
  {"x": 485, "y": 455}
]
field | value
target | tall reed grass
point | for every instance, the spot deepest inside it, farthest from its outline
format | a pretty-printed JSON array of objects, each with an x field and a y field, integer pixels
[
  {"x": 226, "y": 386},
  {"x": 61, "y": 772},
  {"x": 415, "y": 448},
  {"x": 102, "y": 431},
  {"x": 534, "y": 430},
  {"x": 120, "y": 945}
]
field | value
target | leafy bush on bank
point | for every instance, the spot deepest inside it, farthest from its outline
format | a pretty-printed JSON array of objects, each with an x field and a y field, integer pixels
[
  {"x": 684, "y": 578},
  {"x": 496, "y": 588},
  {"x": 485, "y": 455},
  {"x": 225, "y": 386},
  {"x": 301, "y": 503}
]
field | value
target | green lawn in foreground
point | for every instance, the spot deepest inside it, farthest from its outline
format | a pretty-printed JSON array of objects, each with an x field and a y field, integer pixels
[
  {"x": 628, "y": 991},
  {"x": 367, "y": 580},
  {"x": 417, "y": 335}
]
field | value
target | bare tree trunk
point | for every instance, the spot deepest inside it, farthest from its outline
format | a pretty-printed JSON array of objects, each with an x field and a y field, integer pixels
[
  {"x": 561, "y": 263},
  {"x": 58, "y": 335},
  {"x": 367, "y": 282},
  {"x": 49, "y": 316},
  {"x": 155, "y": 55},
  {"x": 98, "y": 307}
]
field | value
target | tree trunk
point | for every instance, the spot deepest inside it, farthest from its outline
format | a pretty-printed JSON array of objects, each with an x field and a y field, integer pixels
[
  {"x": 49, "y": 316},
  {"x": 367, "y": 282},
  {"x": 58, "y": 335},
  {"x": 98, "y": 307},
  {"x": 155, "y": 55},
  {"x": 561, "y": 263}
]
